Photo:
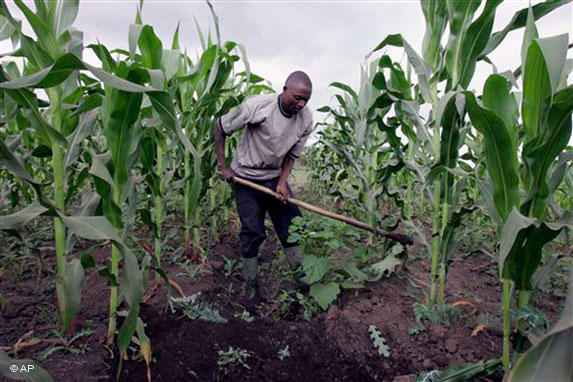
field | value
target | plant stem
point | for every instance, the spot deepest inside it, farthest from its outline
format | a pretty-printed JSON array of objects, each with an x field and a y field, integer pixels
[
  {"x": 442, "y": 256},
  {"x": 187, "y": 218},
  {"x": 506, "y": 297},
  {"x": 54, "y": 96},
  {"x": 159, "y": 206},
  {"x": 113, "y": 293},
  {"x": 159, "y": 210},
  {"x": 435, "y": 243},
  {"x": 197, "y": 231}
]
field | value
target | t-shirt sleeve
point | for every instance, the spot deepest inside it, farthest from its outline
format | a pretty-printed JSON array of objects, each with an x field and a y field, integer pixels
[
  {"x": 238, "y": 117},
  {"x": 298, "y": 148}
]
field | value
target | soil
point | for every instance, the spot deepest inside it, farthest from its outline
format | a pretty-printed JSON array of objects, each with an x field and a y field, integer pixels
[{"x": 334, "y": 346}]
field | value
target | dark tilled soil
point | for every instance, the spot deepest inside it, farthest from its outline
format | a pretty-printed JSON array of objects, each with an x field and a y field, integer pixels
[{"x": 334, "y": 346}]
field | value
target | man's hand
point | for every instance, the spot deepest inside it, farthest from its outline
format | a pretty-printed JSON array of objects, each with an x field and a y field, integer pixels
[
  {"x": 227, "y": 174},
  {"x": 282, "y": 190}
]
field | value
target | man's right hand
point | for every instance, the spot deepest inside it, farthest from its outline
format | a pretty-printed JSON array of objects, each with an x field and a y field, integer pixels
[{"x": 227, "y": 174}]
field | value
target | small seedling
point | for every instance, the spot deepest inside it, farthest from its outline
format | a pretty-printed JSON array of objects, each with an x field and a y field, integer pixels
[
  {"x": 233, "y": 357},
  {"x": 194, "y": 309},
  {"x": 283, "y": 353},
  {"x": 378, "y": 341}
]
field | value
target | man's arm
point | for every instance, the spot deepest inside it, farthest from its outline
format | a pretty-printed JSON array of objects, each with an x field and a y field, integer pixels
[
  {"x": 285, "y": 172},
  {"x": 225, "y": 171}
]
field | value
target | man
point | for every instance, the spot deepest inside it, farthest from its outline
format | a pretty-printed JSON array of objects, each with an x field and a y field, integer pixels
[{"x": 277, "y": 129}]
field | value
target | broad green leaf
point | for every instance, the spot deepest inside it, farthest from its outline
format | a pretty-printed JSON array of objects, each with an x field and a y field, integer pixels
[
  {"x": 127, "y": 328},
  {"x": 550, "y": 358},
  {"x": 383, "y": 268},
  {"x": 163, "y": 105},
  {"x": 522, "y": 243},
  {"x": 83, "y": 130},
  {"x": 151, "y": 48},
  {"x": 460, "y": 14},
  {"x": 66, "y": 12},
  {"x": 23, "y": 369},
  {"x": 529, "y": 35},
  {"x": 324, "y": 294},
  {"x": 144, "y": 342},
  {"x": 436, "y": 16},
  {"x": 18, "y": 219},
  {"x": 73, "y": 290},
  {"x": 474, "y": 42},
  {"x": 99, "y": 169},
  {"x": 519, "y": 20},
  {"x": 170, "y": 62},
  {"x": 7, "y": 30},
  {"x": 421, "y": 67},
  {"x": 315, "y": 268},
  {"x": 120, "y": 112},
  {"x": 500, "y": 156},
  {"x": 554, "y": 51},
  {"x": 471, "y": 371},
  {"x": 133, "y": 38},
  {"x": 347, "y": 89},
  {"x": 560, "y": 170},
  {"x": 540, "y": 153},
  {"x": 13, "y": 163},
  {"x": 42, "y": 29},
  {"x": 450, "y": 142},
  {"x": 497, "y": 97}
]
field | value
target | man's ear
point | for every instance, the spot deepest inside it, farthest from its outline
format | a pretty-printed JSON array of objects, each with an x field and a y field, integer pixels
[{"x": 284, "y": 88}]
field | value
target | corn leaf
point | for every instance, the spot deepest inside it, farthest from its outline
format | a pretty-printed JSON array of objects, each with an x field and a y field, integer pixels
[
  {"x": 35, "y": 374},
  {"x": 545, "y": 60},
  {"x": 500, "y": 156},
  {"x": 436, "y": 16},
  {"x": 550, "y": 358},
  {"x": 519, "y": 20},
  {"x": 523, "y": 239},
  {"x": 460, "y": 14},
  {"x": 474, "y": 41},
  {"x": 20, "y": 218},
  {"x": 540, "y": 153}
]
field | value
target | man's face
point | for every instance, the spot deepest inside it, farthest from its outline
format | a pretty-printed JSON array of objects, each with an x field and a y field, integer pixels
[{"x": 295, "y": 96}]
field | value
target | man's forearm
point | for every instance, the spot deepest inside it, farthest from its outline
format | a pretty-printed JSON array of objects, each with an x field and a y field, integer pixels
[{"x": 286, "y": 169}]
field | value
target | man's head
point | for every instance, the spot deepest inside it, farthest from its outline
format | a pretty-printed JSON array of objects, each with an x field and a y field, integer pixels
[{"x": 296, "y": 92}]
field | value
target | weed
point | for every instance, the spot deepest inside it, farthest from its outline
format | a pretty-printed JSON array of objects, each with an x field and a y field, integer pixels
[
  {"x": 443, "y": 314},
  {"x": 233, "y": 357},
  {"x": 284, "y": 353},
  {"x": 194, "y": 310},
  {"x": 378, "y": 341}
]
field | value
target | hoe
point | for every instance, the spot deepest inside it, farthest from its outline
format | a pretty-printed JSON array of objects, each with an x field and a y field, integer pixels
[{"x": 400, "y": 238}]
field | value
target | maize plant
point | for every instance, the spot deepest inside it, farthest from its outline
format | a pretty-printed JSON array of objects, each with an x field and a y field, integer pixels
[
  {"x": 56, "y": 68},
  {"x": 526, "y": 225},
  {"x": 358, "y": 138},
  {"x": 441, "y": 138}
]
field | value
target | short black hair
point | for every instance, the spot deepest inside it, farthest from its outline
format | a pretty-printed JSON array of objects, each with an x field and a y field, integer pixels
[{"x": 299, "y": 77}]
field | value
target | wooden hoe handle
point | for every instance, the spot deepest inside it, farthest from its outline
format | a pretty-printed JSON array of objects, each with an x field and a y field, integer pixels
[{"x": 400, "y": 238}]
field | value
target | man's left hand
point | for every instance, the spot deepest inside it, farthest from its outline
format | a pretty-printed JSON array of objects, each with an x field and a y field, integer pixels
[{"x": 282, "y": 190}]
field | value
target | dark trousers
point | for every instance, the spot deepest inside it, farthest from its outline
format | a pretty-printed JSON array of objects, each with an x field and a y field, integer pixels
[{"x": 252, "y": 205}]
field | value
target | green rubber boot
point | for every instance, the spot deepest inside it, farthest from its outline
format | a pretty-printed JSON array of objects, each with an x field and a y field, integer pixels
[
  {"x": 294, "y": 256},
  {"x": 250, "y": 270}
]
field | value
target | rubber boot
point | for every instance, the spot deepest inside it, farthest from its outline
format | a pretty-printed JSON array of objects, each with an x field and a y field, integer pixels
[
  {"x": 294, "y": 256},
  {"x": 250, "y": 270}
]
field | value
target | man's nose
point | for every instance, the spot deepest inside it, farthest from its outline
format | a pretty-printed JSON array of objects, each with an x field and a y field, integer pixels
[{"x": 301, "y": 104}]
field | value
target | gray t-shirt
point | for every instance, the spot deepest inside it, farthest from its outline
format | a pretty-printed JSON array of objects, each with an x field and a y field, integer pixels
[{"x": 270, "y": 135}]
